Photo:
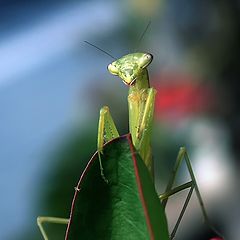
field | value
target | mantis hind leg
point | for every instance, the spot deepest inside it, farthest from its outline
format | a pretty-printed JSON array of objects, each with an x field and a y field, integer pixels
[
  {"x": 41, "y": 220},
  {"x": 182, "y": 155},
  {"x": 106, "y": 132}
]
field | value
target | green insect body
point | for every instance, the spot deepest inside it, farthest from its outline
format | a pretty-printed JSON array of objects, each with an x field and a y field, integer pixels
[{"x": 132, "y": 69}]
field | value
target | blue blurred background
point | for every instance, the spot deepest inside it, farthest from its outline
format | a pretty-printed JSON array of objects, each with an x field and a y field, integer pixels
[{"x": 52, "y": 86}]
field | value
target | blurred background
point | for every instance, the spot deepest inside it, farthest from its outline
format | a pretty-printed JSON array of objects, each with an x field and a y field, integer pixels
[{"x": 52, "y": 86}]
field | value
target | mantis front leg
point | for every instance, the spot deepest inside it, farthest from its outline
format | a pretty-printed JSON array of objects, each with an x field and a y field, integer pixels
[
  {"x": 141, "y": 109},
  {"x": 106, "y": 132}
]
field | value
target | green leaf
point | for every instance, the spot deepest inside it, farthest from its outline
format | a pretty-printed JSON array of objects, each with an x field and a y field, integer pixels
[{"x": 127, "y": 207}]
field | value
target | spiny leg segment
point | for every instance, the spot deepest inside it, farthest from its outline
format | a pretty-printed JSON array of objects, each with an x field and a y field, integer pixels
[
  {"x": 141, "y": 108},
  {"x": 106, "y": 132}
]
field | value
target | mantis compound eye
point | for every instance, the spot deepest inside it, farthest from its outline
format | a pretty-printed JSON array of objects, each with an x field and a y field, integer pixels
[
  {"x": 112, "y": 69},
  {"x": 145, "y": 60}
]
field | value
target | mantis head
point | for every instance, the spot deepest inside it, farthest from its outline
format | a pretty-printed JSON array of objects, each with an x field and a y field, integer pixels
[{"x": 130, "y": 66}]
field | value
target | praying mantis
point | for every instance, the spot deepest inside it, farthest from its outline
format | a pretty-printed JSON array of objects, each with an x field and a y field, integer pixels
[{"x": 132, "y": 70}]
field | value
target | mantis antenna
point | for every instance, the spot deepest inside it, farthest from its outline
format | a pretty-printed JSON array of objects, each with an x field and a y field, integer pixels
[
  {"x": 143, "y": 34},
  {"x": 100, "y": 49}
]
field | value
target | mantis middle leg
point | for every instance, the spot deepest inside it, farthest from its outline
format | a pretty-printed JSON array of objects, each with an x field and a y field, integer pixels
[
  {"x": 41, "y": 220},
  {"x": 182, "y": 155}
]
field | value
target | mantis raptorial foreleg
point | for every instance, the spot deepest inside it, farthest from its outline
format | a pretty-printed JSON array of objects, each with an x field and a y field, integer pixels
[
  {"x": 106, "y": 128},
  {"x": 182, "y": 155},
  {"x": 106, "y": 132},
  {"x": 141, "y": 106},
  {"x": 41, "y": 220},
  {"x": 147, "y": 117}
]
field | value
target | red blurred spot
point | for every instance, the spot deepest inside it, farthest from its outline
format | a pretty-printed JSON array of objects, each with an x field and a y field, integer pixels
[{"x": 180, "y": 96}]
